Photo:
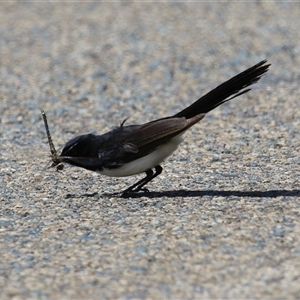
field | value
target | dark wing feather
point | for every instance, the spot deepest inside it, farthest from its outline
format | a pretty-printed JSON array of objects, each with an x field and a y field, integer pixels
[
  {"x": 149, "y": 136},
  {"x": 163, "y": 129}
]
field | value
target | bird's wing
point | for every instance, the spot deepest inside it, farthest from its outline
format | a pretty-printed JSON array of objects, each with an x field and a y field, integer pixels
[
  {"x": 159, "y": 130},
  {"x": 144, "y": 139}
]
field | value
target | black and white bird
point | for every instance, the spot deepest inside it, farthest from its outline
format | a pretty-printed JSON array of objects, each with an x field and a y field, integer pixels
[{"x": 134, "y": 149}]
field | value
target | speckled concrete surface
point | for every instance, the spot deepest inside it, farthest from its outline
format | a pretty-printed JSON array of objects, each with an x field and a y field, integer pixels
[{"x": 223, "y": 218}]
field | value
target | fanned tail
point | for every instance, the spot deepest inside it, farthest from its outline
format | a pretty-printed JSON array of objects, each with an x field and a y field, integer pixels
[{"x": 228, "y": 90}]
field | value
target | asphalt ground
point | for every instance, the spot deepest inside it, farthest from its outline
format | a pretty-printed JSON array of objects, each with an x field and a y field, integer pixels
[{"x": 222, "y": 220}]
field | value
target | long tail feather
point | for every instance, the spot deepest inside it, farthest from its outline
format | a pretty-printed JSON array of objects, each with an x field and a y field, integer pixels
[{"x": 226, "y": 91}]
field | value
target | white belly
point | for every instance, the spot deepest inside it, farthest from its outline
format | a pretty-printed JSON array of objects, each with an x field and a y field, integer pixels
[{"x": 145, "y": 163}]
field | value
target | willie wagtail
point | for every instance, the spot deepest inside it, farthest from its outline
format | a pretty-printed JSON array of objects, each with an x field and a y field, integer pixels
[{"x": 134, "y": 149}]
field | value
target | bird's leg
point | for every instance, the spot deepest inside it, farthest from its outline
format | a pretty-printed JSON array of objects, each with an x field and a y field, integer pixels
[
  {"x": 149, "y": 174},
  {"x": 138, "y": 185},
  {"x": 158, "y": 170}
]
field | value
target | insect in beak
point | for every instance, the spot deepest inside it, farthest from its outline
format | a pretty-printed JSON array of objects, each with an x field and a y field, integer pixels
[
  {"x": 54, "y": 156},
  {"x": 59, "y": 167}
]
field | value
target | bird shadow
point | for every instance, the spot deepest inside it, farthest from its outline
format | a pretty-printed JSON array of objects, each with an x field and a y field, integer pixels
[{"x": 197, "y": 193}]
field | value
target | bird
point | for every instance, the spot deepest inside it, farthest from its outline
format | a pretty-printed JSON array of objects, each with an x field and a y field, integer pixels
[{"x": 133, "y": 149}]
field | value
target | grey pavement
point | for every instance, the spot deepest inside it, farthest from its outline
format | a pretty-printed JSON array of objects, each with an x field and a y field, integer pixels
[{"x": 222, "y": 220}]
